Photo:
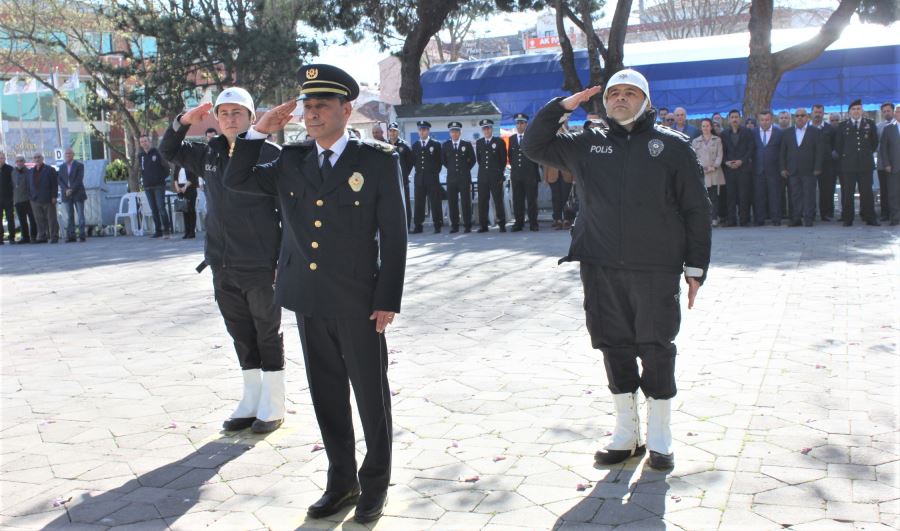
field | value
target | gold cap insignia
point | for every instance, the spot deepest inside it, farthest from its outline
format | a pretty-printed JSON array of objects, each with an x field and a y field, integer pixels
[
  {"x": 312, "y": 73},
  {"x": 356, "y": 181}
]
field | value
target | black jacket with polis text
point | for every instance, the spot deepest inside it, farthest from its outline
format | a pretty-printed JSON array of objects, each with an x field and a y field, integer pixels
[
  {"x": 643, "y": 204},
  {"x": 242, "y": 231}
]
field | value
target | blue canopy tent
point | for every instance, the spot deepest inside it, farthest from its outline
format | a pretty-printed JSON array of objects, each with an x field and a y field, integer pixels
[{"x": 703, "y": 75}]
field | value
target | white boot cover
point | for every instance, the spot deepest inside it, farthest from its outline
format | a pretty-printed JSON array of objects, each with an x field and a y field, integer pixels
[{"x": 271, "y": 396}]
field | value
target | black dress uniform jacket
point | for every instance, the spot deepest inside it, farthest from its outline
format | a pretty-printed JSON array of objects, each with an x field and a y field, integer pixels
[
  {"x": 459, "y": 162},
  {"x": 427, "y": 161},
  {"x": 491, "y": 158},
  {"x": 344, "y": 249},
  {"x": 406, "y": 158},
  {"x": 856, "y": 145},
  {"x": 520, "y": 166},
  {"x": 643, "y": 201},
  {"x": 243, "y": 231}
]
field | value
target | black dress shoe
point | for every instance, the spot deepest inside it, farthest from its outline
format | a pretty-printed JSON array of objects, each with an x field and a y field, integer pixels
[
  {"x": 266, "y": 426},
  {"x": 82, "y": 238},
  {"x": 417, "y": 230},
  {"x": 157, "y": 235},
  {"x": 826, "y": 218},
  {"x": 503, "y": 228},
  {"x": 660, "y": 461},
  {"x": 467, "y": 230},
  {"x": 534, "y": 228},
  {"x": 807, "y": 223},
  {"x": 454, "y": 230},
  {"x": 611, "y": 457},
  {"x": 483, "y": 229},
  {"x": 516, "y": 228},
  {"x": 759, "y": 223},
  {"x": 796, "y": 224},
  {"x": 238, "y": 424},
  {"x": 370, "y": 508},
  {"x": 895, "y": 223},
  {"x": 848, "y": 223},
  {"x": 776, "y": 223},
  {"x": 54, "y": 240},
  {"x": 71, "y": 239},
  {"x": 332, "y": 502},
  {"x": 437, "y": 230},
  {"x": 873, "y": 223}
]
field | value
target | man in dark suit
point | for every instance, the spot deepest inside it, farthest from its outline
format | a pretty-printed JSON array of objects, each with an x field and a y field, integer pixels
[
  {"x": 6, "y": 198},
  {"x": 827, "y": 178},
  {"x": 889, "y": 163},
  {"x": 44, "y": 187},
  {"x": 427, "y": 160},
  {"x": 154, "y": 171},
  {"x": 458, "y": 157},
  {"x": 524, "y": 176},
  {"x": 855, "y": 143},
  {"x": 406, "y": 164},
  {"x": 802, "y": 150},
  {"x": 738, "y": 145},
  {"x": 71, "y": 186},
  {"x": 491, "y": 154},
  {"x": 767, "y": 182},
  {"x": 341, "y": 268}
]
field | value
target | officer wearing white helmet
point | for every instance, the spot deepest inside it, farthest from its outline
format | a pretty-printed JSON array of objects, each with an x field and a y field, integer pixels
[
  {"x": 243, "y": 234},
  {"x": 643, "y": 224}
]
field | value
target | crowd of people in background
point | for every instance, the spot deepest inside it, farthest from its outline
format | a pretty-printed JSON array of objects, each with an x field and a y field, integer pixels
[{"x": 768, "y": 169}]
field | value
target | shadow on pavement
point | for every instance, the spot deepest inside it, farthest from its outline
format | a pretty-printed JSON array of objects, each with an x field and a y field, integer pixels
[{"x": 616, "y": 499}]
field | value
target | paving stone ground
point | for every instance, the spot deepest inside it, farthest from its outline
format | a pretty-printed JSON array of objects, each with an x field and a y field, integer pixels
[{"x": 117, "y": 373}]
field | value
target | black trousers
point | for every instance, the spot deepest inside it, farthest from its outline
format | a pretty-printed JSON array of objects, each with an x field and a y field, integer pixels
[
  {"x": 27, "y": 223},
  {"x": 739, "y": 194},
  {"x": 246, "y": 301},
  {"x": 849, "y": 181},
  {"x": 190, "y": 217},
  {"x": 488, "y": 187},
  {"x": 430, "y": 188},
  {"x": 827, "y": 181},
  {"x": 8, "y": 211},
  {"x": 884, "y": 193},
  {"x": 631, "y": 315},
  {"x": 525, "y": 192},
  {"x": 713, "y": 192},
  {"x": 803, "y": 198},
  {"x": 340, "y": 353},
  {"x": 459, "y": 192},
  {"x": 407, "y": 201},
  {"x": 559, "y": 195}
]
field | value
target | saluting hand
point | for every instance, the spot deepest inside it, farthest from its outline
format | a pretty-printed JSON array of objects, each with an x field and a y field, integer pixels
[
  {"x": 382, "y": 319},
  {"x": 195, "y": 115},
  {"x": 275, "y": 119},
  {"x": 572, "y": 102}
]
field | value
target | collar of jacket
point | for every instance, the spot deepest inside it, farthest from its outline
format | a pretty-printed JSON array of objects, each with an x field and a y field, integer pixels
[{"x": 644, "y": 123}]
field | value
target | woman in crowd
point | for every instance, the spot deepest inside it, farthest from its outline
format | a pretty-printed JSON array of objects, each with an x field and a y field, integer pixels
[{"x": 709, "y": 153}]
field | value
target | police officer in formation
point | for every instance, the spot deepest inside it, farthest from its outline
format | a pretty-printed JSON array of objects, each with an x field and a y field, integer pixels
[
  {"x": 524, "y": 177},
  {"x": 406, "y": 164},
  {"x": 427, "y": 160},
  {"x": 491, "y": 155},
  {"x": 458, "y": 157},
  {"x": 341, "y": 269},
  {"x": 855, "y": 143},
  {"x": 243, "y": 234},
  {"x": 644, "y": 223}
]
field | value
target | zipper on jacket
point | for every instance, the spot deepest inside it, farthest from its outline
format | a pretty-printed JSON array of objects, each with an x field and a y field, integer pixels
[
  {"x": 220, "y": 156},
  {"x": 621, "y": 200}
]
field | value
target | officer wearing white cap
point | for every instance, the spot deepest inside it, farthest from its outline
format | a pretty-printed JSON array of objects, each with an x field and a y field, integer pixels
[
  {"x": 524, "y": 176},
  {"x": 341, "y": 269},
  {"x": 427, "y": 162},
  {"x": 491, "y": 155},
  {"x": 643, "y": 223},
  {"x": 458, "y": 156},
  {"x": 242, "y": 237},
  {"x": 406, "y": 164}
]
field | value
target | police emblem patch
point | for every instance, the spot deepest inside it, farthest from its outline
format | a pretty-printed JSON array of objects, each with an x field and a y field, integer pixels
[
  {"x": 356, "y": 181},
  {"x": 431, "y": 149},
  {"x": 656, "y": 147},
  {"x": 494, "y": 145},
  {"x": 312, "y": 73},
  {"x": 464, "y": 149}
]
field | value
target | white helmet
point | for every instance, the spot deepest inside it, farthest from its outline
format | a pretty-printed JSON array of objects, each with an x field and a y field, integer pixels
[
  {"x": 635, "y": 79},
  {"x": 237, "y": 96}
]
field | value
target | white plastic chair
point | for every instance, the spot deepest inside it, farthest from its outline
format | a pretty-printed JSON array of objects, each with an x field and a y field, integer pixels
[
  {"x": 146, "y": 212},
  {"x": 128, "y": 212},
  {"x": 201, "y": 210}
]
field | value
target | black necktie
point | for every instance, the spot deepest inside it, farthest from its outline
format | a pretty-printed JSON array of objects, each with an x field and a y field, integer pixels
[{"x": 325, "y": 169}]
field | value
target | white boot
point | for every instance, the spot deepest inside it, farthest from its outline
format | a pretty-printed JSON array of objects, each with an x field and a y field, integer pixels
[
  {"x": 626, "y": 439},
  {"x": 659, "y": 433},
  {"x": 249, "y": 403},
  {"x": 271, "y": 402}
]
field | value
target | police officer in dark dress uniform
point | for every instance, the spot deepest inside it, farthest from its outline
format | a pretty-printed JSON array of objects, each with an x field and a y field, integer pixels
[
  {"x": 341, "y": 268},
  {"x": 458, "y": 157},
  {"x": 524, "y": 176},
  {"x": 406, "y": 164},
  {"x": 855, "y": 142},
  {"x": 491, "y": 154},
  {"x": 427, "y": 161}
]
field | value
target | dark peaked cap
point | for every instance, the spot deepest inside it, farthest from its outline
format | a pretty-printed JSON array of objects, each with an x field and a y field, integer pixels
[
  {"x": 855, "y": 102},
  {"x": 326, "y": 81}
]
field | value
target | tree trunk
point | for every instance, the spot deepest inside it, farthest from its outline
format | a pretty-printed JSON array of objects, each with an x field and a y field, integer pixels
[
  {"x": 430, "y": 17},
  {"x": 571, "y": 81},
  {"x": 765, "y": 69}
]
